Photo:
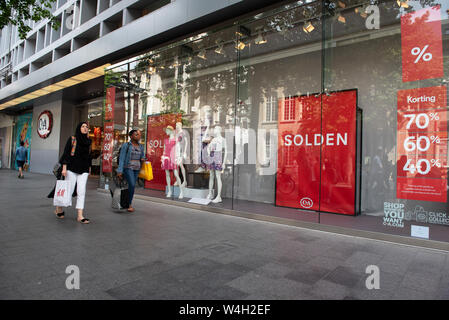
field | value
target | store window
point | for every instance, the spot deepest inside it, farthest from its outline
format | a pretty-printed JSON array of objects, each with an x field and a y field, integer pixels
[{"x": 333, "y": 112}]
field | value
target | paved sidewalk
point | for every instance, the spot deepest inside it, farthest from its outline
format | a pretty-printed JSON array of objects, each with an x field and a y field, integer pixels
[{"x": 165, "y": 252}]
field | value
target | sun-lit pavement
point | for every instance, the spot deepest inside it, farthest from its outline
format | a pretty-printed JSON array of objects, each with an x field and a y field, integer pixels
[{"x": 165, "y": 252}]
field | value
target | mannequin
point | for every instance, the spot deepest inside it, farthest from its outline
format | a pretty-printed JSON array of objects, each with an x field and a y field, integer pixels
[
  {"x": 205, "y": 138},
  {"x": 216, "y": 162},
  {"x": 181, "y": 152},
  {"x": 168, "y": 160}
]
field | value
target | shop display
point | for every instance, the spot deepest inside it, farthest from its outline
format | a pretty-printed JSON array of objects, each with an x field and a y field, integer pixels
[
  {"x": 168, "y": 162},
  {"x": 332, "y": 118},
  {"x": 317, "y": 152},
  {"x": 215, "y": 163},
  {"x": 181, "y": 147}
]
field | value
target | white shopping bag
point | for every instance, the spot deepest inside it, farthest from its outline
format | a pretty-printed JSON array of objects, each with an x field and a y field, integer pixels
[{"x": 62, "y": 197}]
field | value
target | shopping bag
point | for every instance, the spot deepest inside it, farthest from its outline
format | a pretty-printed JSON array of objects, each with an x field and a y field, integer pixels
[
  {"x": 62, "y": 197},
  {"x": 124, "y": 198},
  {"x": 120, "y": 195},
  {"x": 146, "y": 172}
]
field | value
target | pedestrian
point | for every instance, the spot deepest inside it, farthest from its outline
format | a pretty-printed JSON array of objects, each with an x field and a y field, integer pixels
[
  {"x": 21, "y": 158},
  {"x": 131, "y": 157},
  {"x": 76, "y": 166}
]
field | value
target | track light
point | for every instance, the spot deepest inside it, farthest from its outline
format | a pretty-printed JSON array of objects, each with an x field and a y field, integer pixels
[
  {"x": 260, "y": 39},
  {"x": 202, "y": 54},
  {"x": 241, "y": 45},
  {"x": 402, "y": 3},
  {"x": 308, "y": 27},
  {"x": 219, "y": 50},
  {"x": 361, "y": 11},
  {"x": 341, "y": 19}
]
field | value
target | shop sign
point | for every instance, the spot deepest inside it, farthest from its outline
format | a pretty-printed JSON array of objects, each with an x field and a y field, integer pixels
[
  {"x": 422, "y": 144},
  {"x": 109, "y": 104},
  {"x": 422, "y": 45},
  {"x": 108, "y": 144},
  {"x": 317, "y": 152},
  {"x": 393, "y": 214},
  {"x": 156, "y": 135},
  {"x": 44, "y": 124},
  {"x": 419, "y": 214}
]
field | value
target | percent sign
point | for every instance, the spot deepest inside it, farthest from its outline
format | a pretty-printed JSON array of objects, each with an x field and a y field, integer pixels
[
  {"x": 435, "y": 139},
  {"x": 434, "y": 116},
  {"x": 421, "y": 54},
  {"x": 435, "y": 163}
]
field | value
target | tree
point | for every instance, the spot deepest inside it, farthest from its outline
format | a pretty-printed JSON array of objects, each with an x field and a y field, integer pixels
[{"x": 17, "y": 12}]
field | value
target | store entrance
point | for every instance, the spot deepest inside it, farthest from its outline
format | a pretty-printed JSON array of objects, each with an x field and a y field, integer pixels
[{"x": 319, "y": 153}]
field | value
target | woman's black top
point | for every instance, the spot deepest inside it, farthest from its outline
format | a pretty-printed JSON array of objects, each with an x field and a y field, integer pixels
[{"x": 81, "y": 161}]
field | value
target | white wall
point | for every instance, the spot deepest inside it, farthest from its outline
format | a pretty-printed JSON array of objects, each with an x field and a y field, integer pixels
[{"x": 45, "y": 152}]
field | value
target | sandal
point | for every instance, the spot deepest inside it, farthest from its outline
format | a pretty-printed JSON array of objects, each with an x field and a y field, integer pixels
[
  {"x": 60, "y": 215},
  {"x": 130, "y": 209},
  {"x": 83, "y": 221}
]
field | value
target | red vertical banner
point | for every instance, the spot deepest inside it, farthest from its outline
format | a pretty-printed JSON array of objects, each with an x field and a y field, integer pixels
[
  {"x": 422, "y": 144},
  {"x": 317, "y": 152},
  {"x": 155, "y": 146},
  {"x": 338, "y": 152},
  {"x": 109, "y": 104},
  {"x": 422, "y": 45},
  {"x": 297, "y": 179},
  {"x": 108, "y": 143}
]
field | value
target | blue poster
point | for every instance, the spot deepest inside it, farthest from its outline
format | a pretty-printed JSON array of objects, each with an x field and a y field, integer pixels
[{"x": 24, "y": 133}]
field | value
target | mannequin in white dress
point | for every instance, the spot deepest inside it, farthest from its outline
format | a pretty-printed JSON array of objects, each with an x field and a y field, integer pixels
[
  {"x": 216, "y": 163},
  {"x": 168, "y": 161}
]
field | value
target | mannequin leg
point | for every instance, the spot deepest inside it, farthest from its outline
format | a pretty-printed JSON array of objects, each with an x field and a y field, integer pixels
[
  {"x": 178, "y": 180},
  {"x": 183, "y": 170},
  {"x": 211, "y": 184},
  {"x": 219, "y": 186},
  {"x": 167, "y": 177}
]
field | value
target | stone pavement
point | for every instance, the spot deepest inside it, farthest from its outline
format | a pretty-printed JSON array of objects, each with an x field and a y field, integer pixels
[{"x": 165, "y": 252}]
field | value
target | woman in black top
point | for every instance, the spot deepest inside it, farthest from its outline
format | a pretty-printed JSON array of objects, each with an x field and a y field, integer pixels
[{"x": 76, "y": 163}]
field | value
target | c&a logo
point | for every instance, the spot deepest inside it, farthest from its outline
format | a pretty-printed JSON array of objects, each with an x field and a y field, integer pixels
[{"x": 306, "y": 203}]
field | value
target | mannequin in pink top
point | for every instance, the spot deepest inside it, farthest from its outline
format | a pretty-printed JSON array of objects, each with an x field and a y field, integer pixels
[{"x": 168, "y": 161}]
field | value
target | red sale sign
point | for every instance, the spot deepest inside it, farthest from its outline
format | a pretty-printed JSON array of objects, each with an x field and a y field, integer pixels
[
  {"x": 317, "y": 152},
  {"x": 110, "y": 103},
  {"x": 108, "y": 143},
  {"x": 422, "y": 45},
  {"x": 155, "y": 147},
  {"x": 422, "y": 144}
]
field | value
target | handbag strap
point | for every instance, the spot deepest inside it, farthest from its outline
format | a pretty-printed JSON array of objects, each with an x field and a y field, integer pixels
[{"x": 72, "y": 152}]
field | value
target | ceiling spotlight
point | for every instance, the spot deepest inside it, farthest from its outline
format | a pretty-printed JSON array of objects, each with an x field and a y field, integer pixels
[
  {"x": 308, "y": 27},
  {"x": 402, "y": 3},
  {"x": 361, "y": 11},
  {"x": 202, "y": 54},
  {"x": 161, "y": 67},
  {"x": 241, "y": 45},
  {"x": 151, "y": 69},
  {"x": 260, "y": 39},
  {"x": 341, "y": 4},
  {"x": 341, "y": 19},
  {"x": 219, "y": 50}
]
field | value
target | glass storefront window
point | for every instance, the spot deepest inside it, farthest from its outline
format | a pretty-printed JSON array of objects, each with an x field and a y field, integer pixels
[{"x": 332, "y": 112}]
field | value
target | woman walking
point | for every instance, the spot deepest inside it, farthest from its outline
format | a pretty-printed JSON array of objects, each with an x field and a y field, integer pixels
[
  {"x": 131, "y": 157},
  {"x": 76, "y": 165}
]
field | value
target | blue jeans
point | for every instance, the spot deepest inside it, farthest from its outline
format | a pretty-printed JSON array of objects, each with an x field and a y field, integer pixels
[{"x": 131, "y": 178}]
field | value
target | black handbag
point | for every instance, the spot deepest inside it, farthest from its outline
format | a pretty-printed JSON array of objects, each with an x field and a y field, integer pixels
[{"x": 124, "y": 198}]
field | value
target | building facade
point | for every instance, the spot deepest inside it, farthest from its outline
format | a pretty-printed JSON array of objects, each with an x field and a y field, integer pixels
[{"x": 331, "y": 113}]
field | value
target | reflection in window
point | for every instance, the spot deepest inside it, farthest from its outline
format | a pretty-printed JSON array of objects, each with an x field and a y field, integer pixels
[{"x": 271, "y": 110}]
